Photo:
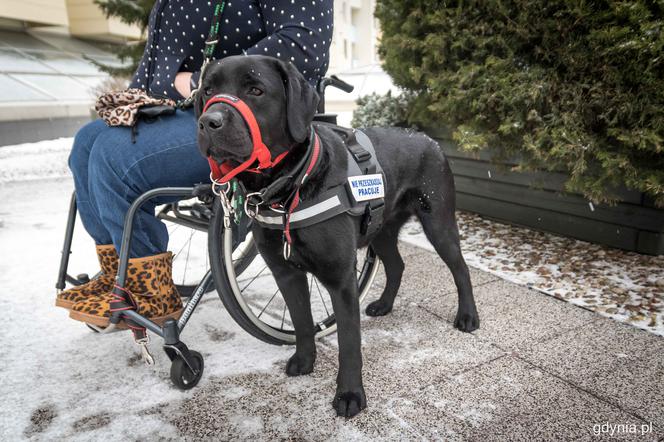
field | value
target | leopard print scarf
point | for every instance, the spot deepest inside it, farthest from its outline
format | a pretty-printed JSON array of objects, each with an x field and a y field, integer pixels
[{"x": 121, "y": 108}]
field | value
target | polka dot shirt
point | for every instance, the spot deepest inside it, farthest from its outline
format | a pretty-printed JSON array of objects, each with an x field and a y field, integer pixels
[{"x": 299, "y": 31}]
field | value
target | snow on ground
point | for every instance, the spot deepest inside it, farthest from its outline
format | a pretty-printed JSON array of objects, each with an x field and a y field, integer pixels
[
  {"x": 625, "y": 286},
  {"x": 30, "y": 161}
]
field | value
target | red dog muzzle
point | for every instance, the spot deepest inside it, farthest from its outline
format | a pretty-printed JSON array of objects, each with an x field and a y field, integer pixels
[{"x": 260, "y": 153}]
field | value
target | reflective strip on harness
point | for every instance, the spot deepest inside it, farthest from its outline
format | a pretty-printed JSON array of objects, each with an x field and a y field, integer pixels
[
  {"x": 329, "y": 204},
  {"x": 301, "y": 215}
]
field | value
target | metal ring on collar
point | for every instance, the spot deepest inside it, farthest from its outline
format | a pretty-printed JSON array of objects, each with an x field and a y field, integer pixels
[
  {"x": 247, "y": 198},
  {"x": 226, "y": 187}
]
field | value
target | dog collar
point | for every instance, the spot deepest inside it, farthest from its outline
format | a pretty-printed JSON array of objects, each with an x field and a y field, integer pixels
[{"x": 222, "y": 173}]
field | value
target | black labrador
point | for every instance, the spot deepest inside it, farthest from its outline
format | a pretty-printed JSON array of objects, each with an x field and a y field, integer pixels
[{"x": 418, "y": 182}]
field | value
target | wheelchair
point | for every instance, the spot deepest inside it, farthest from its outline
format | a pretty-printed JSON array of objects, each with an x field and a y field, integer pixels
[{"x": 233, "y": 267}]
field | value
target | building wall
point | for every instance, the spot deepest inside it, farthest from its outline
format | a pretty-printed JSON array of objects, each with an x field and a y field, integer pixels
[
  {"x": 42, "y": 12},
  {"x": 81, "y": 18},
  {"x": 355, "y": 35},
  {"x": 354, "y": 43},
  {"x": 88, "y": 21}
]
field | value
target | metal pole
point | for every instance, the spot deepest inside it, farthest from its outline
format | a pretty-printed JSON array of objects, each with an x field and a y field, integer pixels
[{"x": 66, "y": 247}]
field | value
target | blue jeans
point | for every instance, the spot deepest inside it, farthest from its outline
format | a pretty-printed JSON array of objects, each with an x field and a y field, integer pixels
[{"x": 110, "y": 172}]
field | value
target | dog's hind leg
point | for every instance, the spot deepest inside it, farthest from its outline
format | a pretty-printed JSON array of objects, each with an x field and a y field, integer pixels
[
  {"x": 385, "y": 246},
  {"x": 444, "y": 236},
  {"x": 436, "y": 212}
]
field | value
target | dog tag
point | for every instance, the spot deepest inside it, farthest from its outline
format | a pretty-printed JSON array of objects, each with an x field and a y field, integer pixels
[{"x": 367, "y": 187}]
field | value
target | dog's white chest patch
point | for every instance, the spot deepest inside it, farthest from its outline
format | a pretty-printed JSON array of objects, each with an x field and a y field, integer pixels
[{"x": 367, "y": 187}]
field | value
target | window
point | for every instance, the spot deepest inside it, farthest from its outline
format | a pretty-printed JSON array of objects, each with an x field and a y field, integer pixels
[{"x": 48, "y": 67}]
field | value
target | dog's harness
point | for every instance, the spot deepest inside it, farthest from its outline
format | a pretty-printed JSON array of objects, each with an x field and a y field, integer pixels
[{"x": 362, "y": 194}]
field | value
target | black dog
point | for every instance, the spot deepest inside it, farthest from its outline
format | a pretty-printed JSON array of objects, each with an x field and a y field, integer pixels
[{"x": 418, "y": 182}]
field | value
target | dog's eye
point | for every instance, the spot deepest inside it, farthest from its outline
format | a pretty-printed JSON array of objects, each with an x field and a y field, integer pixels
[
  {"x": 255, "y": 91},
  {"x": 207, "y": 91}
]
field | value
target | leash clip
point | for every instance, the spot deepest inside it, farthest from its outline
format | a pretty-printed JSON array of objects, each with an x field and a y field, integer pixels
[
  {"x": 222, "y": 190},
  {"x": 145, "y": 352}
]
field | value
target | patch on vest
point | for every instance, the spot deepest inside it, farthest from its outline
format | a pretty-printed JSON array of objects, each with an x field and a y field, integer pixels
[{"x": 367, "y": 187}]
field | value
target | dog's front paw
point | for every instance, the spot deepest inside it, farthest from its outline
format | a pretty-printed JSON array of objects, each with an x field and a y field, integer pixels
[
  {"x": 298, "y": 365},
  {"x": 350, "y": 403},
  {"x": 378, "y": 308},
  {"x": 467, "y": 321}
]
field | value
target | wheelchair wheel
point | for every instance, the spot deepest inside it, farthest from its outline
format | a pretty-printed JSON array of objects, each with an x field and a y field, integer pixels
[{"x": 250, "y": 293}]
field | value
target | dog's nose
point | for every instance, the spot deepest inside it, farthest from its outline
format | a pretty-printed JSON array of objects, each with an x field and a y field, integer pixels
[{"x": 211, "y": 121}]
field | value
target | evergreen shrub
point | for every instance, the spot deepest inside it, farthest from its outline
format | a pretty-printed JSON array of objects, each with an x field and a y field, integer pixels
[
  {"x": 576, "y": 86},
  {"x": 382, "y": 110}
]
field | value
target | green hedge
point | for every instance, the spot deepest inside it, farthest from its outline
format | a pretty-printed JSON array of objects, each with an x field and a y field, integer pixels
[{"x": 576, "y": 86}]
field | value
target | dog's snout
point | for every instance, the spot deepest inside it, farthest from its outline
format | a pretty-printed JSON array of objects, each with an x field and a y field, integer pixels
[{"x": 211, "y": 121}]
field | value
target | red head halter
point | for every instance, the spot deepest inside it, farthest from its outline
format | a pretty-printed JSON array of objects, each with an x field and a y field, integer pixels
[{"x": 260, "y": 153}]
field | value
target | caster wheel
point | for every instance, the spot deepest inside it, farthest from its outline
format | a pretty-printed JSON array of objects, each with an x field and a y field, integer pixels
[{"x": 182, "y": 376}]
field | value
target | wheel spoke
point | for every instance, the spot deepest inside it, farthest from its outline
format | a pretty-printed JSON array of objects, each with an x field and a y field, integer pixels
[
  {"x": 268, "y": 303},
  {"x": 283, "y": 316},
  {"x": 186, "y": 261},
  {"x": 184, "y": 245},
  {"x": 242, "y": 255},
  {"x": 253, "y": 279},
  {"x": 174, "y": 229},
  {"x": 321, "y": 298}
]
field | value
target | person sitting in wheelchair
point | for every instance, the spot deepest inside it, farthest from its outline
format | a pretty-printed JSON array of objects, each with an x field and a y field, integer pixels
[{"x": 114, "y": 165}]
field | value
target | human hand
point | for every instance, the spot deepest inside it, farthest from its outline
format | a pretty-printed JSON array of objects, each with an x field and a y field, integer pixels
[{"x": 182, "y": 83}]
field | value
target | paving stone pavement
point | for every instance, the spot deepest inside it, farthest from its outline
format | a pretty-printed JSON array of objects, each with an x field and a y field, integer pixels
[{"x": 538, "y": 369}]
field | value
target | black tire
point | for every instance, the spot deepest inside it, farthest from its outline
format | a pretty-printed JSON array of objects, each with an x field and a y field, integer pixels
[
  {"x": 266, "y": 333},
  {"x": 182, "y": 376}
]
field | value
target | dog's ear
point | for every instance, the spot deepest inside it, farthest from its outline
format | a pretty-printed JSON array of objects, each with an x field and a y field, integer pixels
[{"x": 301, "y": 101}]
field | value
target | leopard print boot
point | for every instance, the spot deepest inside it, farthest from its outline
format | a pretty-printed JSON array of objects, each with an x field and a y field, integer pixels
[
  {"x": 150, "y": 284},
  {"x": 108, "y": 262}
]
